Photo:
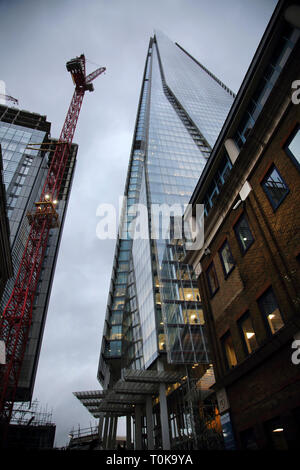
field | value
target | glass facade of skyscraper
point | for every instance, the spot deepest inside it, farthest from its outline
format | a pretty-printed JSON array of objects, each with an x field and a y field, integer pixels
[{"x": 154, "y": 305}]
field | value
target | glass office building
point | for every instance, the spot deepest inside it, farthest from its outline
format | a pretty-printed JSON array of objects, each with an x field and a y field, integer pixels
[
  {"x": 154, "y": 319},
  {"x": 154, "y": 305},
  {"x": 25, "y": 167}
]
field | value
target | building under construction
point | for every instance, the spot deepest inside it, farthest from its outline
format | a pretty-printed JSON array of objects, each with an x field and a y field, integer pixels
[
  {"x": 31, "y": 427},
  {"x": 38, "y": 174},
  {"x": 25, "y": 167}
]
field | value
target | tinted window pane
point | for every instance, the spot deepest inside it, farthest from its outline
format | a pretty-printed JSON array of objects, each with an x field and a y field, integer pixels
[
  {"x": 212, "y": 279},
  {"x": 248, "y": 332},
  {"x": 274, "y": 187},
  {"x": 226, "y": 258},
  {"x": 269, "y": 307},
  {"x": 243, "y": 233},
  {"x": 294, "y": 146},
  {"x": 229, "y": 351}
]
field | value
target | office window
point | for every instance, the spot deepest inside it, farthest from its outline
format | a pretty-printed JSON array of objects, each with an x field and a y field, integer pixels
[
  {"x": 212, "y": 279},
  {"x": 116, "y": 332},
  {"x": 229, "y": 352},
  {"x": 293, "y": 146},
  {"x": 248, "y": 439},
  {"x": 248, "y": 333},
  {"x": 113, "y": 348},
  {"x": 276, "y": 434},
  {"x": 274, "y": 187},
  {"x": 226, "y": 257},
  {"x": 243, "y": 233},
  {"x": 270, "y": 74},
  {"x": 270, "y": 309}
]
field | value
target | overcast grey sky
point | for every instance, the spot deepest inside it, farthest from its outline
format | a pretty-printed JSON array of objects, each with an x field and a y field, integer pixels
[{"x": 37, "y": 37}]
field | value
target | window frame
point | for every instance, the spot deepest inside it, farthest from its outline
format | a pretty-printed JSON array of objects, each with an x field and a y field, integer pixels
[
  {"x": 243, "y": 250},
  {"x": 263, "y": 312},
  {"x": 208, "y": 270},
  {"x": 287, "y": 143},
  {"x": 226, "y": 274},
  {"x": 266, "y": 191},
  {"x": 223, "y": 339},
  {"x": 244, "y": 317}
]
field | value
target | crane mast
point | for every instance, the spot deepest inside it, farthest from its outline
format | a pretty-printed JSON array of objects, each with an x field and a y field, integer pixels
[{"x": 16, "y": 318}]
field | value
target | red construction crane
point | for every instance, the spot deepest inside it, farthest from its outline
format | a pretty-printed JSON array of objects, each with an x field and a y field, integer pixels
[{"x": 16, "y": 318}]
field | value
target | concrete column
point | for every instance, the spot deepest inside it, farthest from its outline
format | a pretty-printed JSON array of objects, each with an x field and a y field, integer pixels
[
  {"x": 105, "y": 433},
  {"x": 128, "y": 432},
  {"x": 100, "y": 426},
  {"x": 114, "y": 433},
  {"x": 150, "y": 424},
  {"x": 164, "y": 417},
  {"x": 138, "y": 428},
  {"x": 232, "y": 149},
  {"x": 111, "y": 428}
]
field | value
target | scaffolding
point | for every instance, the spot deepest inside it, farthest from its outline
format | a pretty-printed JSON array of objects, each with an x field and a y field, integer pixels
[{"x": 31, "y": 414}]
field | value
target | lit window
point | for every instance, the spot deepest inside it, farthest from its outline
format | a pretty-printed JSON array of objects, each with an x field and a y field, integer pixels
[
  {"x": 113, "y": 348},
  {"x": 226, "y": 258},
  {"x": 248, "y": 333},
  {"x": 269, "y": 307},
  {"x": 274, "y": 187},
  {"x": 162, "y": 342},
  {"x": 212, "y": 279},
  {"x": 116, "y": 332},
  {"x": 243, "y": 233},
  {"x": 120, "y": 291},
  {"x": 293, "y": 146},
  {"x": 193, "y": 316},
  {"x": 229, "y": 351}
]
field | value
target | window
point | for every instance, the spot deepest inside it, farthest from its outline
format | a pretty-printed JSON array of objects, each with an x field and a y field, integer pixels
[
  {"x": 269, "y": 307},
  {"x": 125, "y": 245},
  {"x": 116, "y": 332},
  {"x": 113, "y": 348},
  {"x": 293, "y": 146},
  {"x": 274, "y": 187},
  {"x": 212, "y": 279},
  {"x": 162, "y": 342},
  {"x": 116, "y": 317},
  {"x": 218, "y": 181},
  {"x": 120, "y": 291},
  {"x": 248, "y": 439},
  {"x": 243, "y": 233},
  {"x": 229, "y": 352},
  {"x": 276, "y": 434},
  {"x": 226, "y": 258},
  {"x": 117, "y": 304},
  {"x": 266, "y": 84},
  {"x": 224, "y": 170},
  {"x": 248, "y": 333}
]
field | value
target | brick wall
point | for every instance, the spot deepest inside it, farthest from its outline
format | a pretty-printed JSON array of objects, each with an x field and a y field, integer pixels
[{"x": 267, "y": 382}]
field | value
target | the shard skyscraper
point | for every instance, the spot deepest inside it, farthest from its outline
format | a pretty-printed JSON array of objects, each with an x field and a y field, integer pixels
[{"x": 154, "y": 343}]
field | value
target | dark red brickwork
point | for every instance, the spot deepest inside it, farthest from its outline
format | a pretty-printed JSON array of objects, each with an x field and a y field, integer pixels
[{"x": 265, "y": 384}]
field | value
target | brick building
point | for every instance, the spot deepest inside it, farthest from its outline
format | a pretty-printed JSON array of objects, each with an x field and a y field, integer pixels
[{"x": 248, "y": 267}]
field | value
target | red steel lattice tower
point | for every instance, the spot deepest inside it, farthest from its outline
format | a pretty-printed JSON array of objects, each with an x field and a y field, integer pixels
[{"x": 16, "y": 319}]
